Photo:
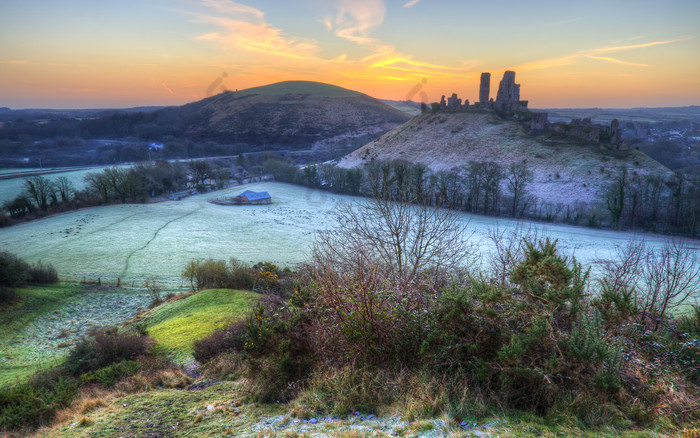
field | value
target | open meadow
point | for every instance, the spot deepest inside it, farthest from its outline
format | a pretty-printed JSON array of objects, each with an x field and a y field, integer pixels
[{"x": 135, "y": 241}]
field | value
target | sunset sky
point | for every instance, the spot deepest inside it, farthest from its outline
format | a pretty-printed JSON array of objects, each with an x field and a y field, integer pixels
[{"x": 95, "y": 54}]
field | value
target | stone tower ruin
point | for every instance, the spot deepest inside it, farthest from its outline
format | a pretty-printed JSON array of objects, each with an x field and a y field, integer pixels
[
  {"x": 508, "y": 97},
  {"x": 485, "y": 89}
]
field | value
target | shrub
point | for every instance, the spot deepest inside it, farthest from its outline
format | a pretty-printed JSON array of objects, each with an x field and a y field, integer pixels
[
  {"x": 16, "y": 272},
  {"x": 35, "y": 403},
  {"x": 227, "y": 340},
  {"x": 616, "y": 304},
  {"x": 153, "y": 289},
  {"x": 13, "y": 270},
  {"x": 43, "y": 273},
  {"x": 110, "y": 374},
  {"x": 105, "y": 348},
  {"x": 690, "y": 324}
]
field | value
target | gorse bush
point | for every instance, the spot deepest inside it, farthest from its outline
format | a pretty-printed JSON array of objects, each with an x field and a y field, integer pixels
[
  {"x": 34, "y": 403},
  {"x": 263, "y": 277}
]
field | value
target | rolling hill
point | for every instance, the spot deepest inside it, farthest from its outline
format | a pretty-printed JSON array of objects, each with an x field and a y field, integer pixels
[
  {"x": 285, "y": 115},
  {"x": 566, "y": 171}
]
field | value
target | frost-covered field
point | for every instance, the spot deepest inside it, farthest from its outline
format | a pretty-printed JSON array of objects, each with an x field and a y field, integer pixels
[{"x": 132, "y": 242}]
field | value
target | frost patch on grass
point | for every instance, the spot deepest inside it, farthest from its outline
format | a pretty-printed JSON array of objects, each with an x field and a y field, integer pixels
[{"x": 49, "y": 336}]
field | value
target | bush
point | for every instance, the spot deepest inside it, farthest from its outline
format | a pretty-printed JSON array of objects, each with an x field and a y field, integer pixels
[
  {"x": 43, "y": 273},
  {"x": 16, "y": 272},
  {"x": 110, "y": 374},
  {"x": 230, "y": 339},
  {"x": 13, "y": 270},
  {"x": 105, "y": 348},
  {"x": 210, "y": 273}
]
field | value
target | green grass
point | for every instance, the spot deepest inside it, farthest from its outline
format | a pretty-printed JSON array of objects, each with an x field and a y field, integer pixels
[{"x": 176, "y": 325}]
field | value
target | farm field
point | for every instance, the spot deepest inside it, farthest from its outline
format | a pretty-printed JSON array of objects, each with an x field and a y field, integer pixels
[{"x": 134, "y": 241}]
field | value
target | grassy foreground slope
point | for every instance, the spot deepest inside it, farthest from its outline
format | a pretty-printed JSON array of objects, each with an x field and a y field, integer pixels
[
  {"x": 176, "y": 325},
  {"x": 219, "y": 411}
]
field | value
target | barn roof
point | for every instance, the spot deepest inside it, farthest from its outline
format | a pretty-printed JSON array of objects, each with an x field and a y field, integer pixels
[{"x": 255, "y": 196}]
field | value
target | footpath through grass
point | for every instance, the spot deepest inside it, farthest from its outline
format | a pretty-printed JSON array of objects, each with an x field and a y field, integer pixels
[{"x": 176, "y": 325}]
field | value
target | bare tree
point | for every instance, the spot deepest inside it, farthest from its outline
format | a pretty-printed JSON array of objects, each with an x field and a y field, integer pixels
[
  {"x": 40, "y": 189},
  {"x": 64, "y": 187},
  {"x": 407, "y": 243},
  {"x": 200, "y": 171},
  {"x": 668, "y": 278},
  {"x": 518, "y": 177},
  {"x": 98, "y": 183},
  {"x": 154, "y": 289},
  {"x": 624, "y": 268}
]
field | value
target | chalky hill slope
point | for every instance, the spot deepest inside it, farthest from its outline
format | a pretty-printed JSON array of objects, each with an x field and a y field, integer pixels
[
  {"x": 572, "y": 163},
  {"x": 286, "y": 115}
]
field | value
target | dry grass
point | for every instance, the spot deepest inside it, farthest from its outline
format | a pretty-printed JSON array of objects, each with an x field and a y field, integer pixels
[{"x": 91, "y": 398}]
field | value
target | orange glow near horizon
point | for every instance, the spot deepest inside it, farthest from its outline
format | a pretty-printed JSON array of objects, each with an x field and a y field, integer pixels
[{"x": 160, "y": 54}]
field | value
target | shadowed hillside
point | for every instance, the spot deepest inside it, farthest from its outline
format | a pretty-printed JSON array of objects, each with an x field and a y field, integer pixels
[{"x": 291, "y": 114}]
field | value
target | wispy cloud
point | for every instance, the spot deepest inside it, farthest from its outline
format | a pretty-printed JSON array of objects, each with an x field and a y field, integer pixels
[
  {"x": 356, "y": 19},
  {"x": 632, "y": 38},
  {"x": 618, "y": 61},
  {"x": 18, "y": 61},
  {"x": 167, "y": 88},
  {"x": 411, "y": 4},
  {"x": 246, "y": 27},
  {"x": 594, "y": 54}
]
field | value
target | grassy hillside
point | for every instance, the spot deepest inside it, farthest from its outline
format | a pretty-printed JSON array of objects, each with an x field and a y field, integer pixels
[
  {"x": 566, "y": 171},
  {"x": 176, "y": 325}
]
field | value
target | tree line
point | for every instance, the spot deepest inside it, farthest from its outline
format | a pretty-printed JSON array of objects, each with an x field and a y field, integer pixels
[
  {"x": 136, "y": 184},
  {"x": 631, "y": 201}
]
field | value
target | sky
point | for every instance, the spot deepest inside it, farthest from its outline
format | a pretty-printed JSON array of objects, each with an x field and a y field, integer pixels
[{"x": 566, "y": 54}]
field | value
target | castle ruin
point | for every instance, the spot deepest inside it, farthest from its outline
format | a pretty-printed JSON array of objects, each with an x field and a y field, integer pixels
[{"x": 508, "y": 104}]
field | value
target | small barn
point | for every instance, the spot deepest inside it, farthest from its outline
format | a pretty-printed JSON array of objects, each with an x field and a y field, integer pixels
[{"x": 253, "y": 198}]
